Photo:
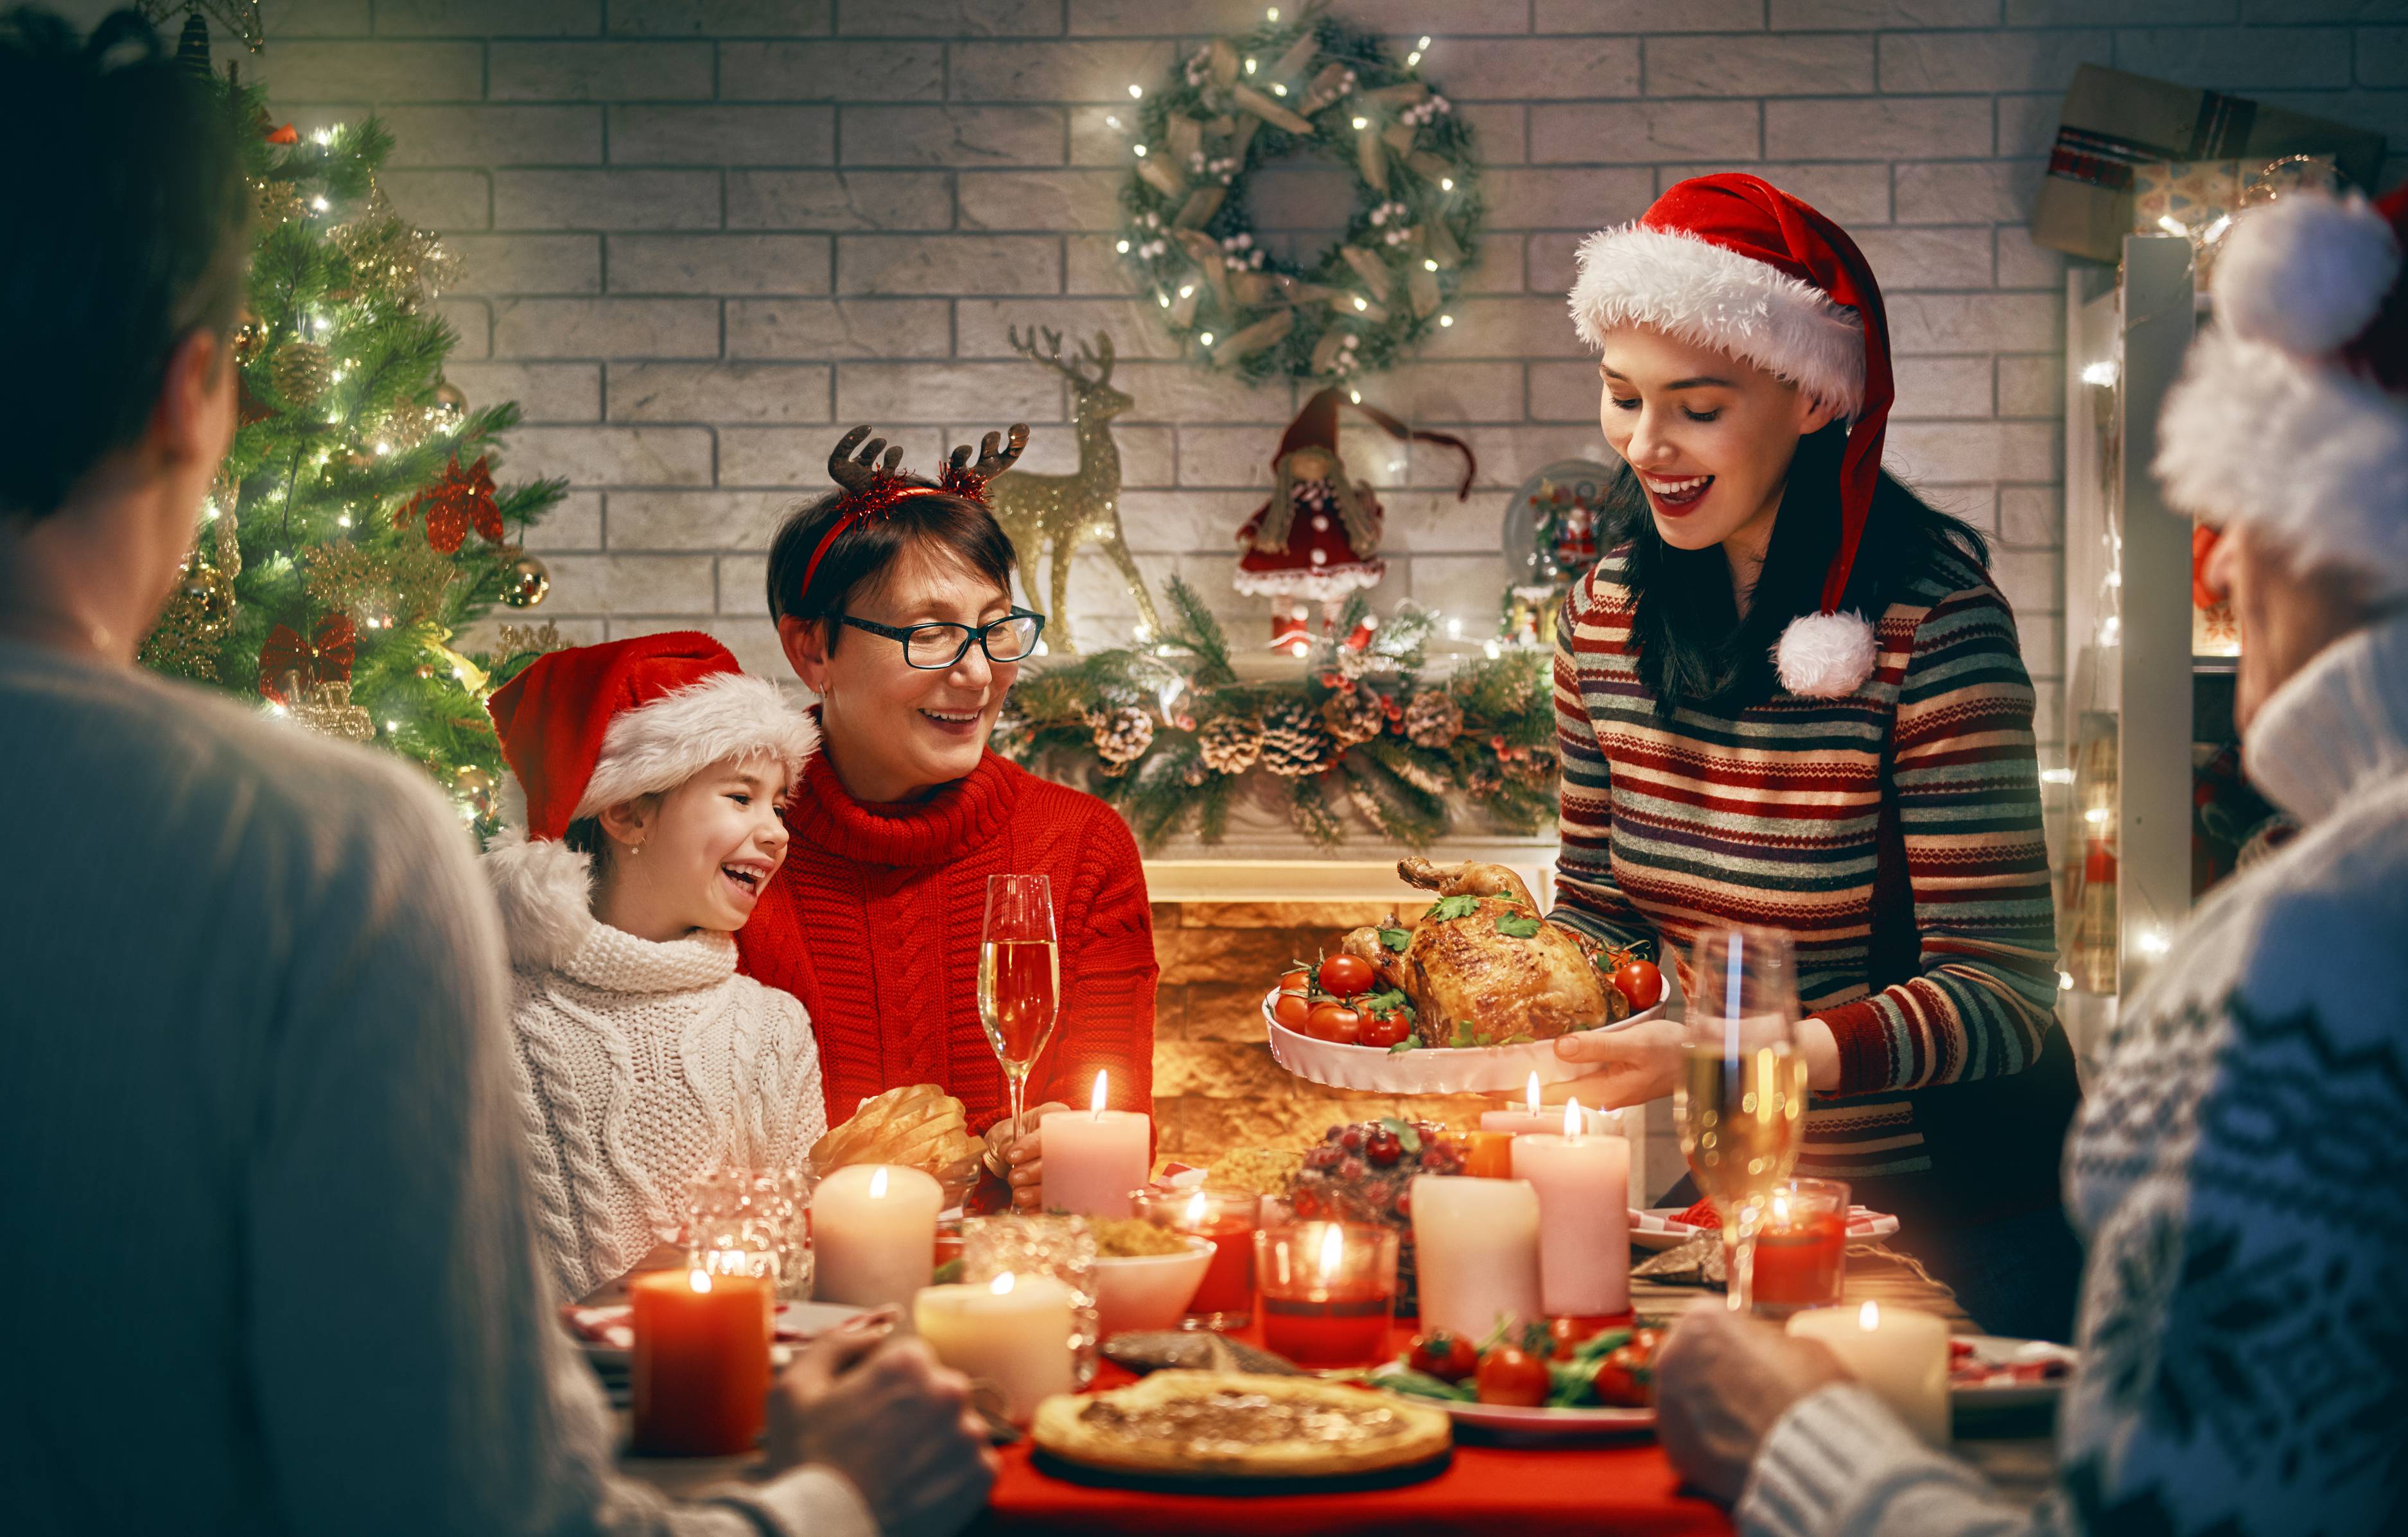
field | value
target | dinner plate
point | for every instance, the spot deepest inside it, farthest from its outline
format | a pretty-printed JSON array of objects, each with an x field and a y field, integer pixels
[
  {"x": 1426, "y": 1070},
  {"x": 607, "y": 1337},
  {"x": 2005, "y": 1392},
  {"x": 1660, "y": 1228},
  {"x": 1513, "y": 1421}
]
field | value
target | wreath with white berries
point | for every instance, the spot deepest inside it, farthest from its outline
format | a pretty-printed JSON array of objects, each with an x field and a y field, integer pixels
[{"x": 1308, "y": 85}]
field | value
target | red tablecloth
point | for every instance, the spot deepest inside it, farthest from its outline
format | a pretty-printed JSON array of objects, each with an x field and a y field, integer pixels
[{"x": 1529, "y": 1491}]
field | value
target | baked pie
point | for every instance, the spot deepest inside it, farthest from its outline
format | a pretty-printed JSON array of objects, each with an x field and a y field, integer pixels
[{"x": 1237, "y": 1425}]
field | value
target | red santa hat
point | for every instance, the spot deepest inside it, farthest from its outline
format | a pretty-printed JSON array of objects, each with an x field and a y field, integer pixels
[
  {"x": 1734, "y": 263},
  {"x": 2292, "y": 410},
  {"x": 590, "y": 727}
]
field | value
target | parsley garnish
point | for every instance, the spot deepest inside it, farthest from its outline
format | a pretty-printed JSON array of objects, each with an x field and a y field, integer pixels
[
  {"x": 1446, "y": 907},
  {"x": 1397, "y": 939},
  {"x": 1517, "y": 926}
]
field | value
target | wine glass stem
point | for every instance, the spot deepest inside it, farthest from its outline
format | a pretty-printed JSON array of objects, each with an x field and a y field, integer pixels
[
  {"x": 1738, "y": 1266},
  {"x": 1017, "y": 1082}
]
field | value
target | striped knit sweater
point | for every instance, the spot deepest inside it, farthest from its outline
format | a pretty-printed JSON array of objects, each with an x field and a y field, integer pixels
[
  {"x": 1930, "y": 956},
  {"x": 874, "y": 921}
]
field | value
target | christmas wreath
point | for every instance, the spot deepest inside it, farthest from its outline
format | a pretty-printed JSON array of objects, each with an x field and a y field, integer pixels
[
  {"x": 1237, "y": 104},
  {"x": 1172, "y": 736}
]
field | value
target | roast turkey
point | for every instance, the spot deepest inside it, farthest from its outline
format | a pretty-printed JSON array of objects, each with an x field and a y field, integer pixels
[{"x": 1481, "y": 967}]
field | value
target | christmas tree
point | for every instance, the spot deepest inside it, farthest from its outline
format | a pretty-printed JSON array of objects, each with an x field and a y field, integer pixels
[{"x": 355, "y": 525}]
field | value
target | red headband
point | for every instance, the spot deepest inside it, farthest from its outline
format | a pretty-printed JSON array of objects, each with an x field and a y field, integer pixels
[{"x": 872, "y": 489}]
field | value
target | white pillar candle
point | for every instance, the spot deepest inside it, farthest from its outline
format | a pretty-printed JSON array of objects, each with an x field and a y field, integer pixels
[
  {"x": 1901, "y": 1354},
  {"x": 1533, "y": 1116},
  {"x": 1094, "y": 1158},
  {"x": 1013, "y": 1332},
  {"x": 1584, "y": 1187},
  {"x": 1475, "y": 1252},
  {"x": 873, "y": 1233}
]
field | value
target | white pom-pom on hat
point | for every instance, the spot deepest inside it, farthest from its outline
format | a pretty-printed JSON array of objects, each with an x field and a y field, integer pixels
[
  {"x": 1825, "y": 656},
  {"x": 2306, "y": 274}
]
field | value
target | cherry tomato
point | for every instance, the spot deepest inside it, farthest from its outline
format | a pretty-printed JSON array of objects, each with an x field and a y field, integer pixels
[
  {"x": 1334, "y": 1022},
  {"x": 1386, "y": 1029},
  {"x": 1298, "y": 981},
  {"x": 1292, "y": 1010},
  {"x": 1346, "y": 976},
  {"x": 1640, "y": 982},
  {"x": 1510, "y": 1374},
  {"x": 1626, "y": 1379},
  {"x": 1442, "y": 1355},
  {"x": 1569, "y": 1334}
]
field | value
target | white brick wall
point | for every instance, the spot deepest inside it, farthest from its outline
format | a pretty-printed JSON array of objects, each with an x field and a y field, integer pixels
[{"x": 701, "y": 233}]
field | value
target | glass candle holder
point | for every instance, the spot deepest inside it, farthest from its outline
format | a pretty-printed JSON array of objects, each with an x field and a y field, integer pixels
[
  {"x": 1063, "y": 1247},
  {"x": 1801, "y": 1251},
  {"x": 753, "y": 1222},
  {"x": 1328, "y": 1291},
  {"x": 1224, "y": 1300}
]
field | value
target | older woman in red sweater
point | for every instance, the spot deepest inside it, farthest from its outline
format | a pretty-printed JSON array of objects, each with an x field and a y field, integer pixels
[{"x": 893, "y": 598}]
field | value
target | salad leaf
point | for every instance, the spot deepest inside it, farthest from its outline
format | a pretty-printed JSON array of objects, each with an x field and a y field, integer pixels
[
  {"x": 1406, "y": 1136},
  {"x": 1463, "y": 1036},
  {"x": 1392, "y": 997},
  {"x": 1517, "y": 926},
  {"x": 1410, "y": 1043},
  {"x": 1446, "y": 907},
  {"x": 1400, "y": 1378},
  {"x": 1397, "y": 939}
]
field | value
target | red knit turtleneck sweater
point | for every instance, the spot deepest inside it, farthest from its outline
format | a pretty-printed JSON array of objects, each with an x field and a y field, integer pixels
[{"x": 874, "y": 919}]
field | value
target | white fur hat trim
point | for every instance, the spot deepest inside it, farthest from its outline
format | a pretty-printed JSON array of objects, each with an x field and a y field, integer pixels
[
  {"x": 2316, "y": 451},
  {"x": 1825, "y": 656},
  {"x": 662, "y": 744},
  {"x": 546, "y": 894},
  {"x": 2306, "y": 274},
  {"x": 1708, "y": 295}
]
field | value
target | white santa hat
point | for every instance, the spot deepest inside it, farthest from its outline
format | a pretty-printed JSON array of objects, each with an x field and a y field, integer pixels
[
  {"x": 1734, "y": 263},
  {"x": 2292, "y": 410}
]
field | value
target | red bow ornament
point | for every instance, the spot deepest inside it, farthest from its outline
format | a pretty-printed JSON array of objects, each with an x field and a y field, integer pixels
[
  {"x": 288, "y": 659},
  {"x": 458, "y": 501}
]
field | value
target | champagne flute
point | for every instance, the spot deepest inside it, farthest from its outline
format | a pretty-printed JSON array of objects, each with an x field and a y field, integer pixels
[
  {"x": 1019, "y": 980},
  {"x": 1740, "y": 1103}
]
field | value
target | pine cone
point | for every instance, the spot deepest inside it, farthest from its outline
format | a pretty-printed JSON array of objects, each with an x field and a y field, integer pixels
[
  {"x": 1433, "y": 720},
  {"x": 1122, "y": 735},
  {"x": 1294, "y": 741},
  {"x": 1352, "y": 717},
  {"x": 301, "y": 372},
  {"x": 1230, "y": 744},
  {"x": 1193, "y": 773}
]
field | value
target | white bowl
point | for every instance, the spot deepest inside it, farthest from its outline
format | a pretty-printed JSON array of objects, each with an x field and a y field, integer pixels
[
  {"x": 1148, "y": 1291},
  {"x": 1426, "y": 1070}
]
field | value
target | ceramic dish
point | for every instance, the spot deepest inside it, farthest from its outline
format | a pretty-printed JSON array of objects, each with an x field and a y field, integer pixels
[
  {"x": 1148, "y": 1291},
  {"x": 608, "y": 1338},
  {"x": 1426, "y": 1070},
  {"x": 1513, "y": 1422}
]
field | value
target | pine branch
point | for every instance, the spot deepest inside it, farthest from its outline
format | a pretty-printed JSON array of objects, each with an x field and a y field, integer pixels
[{"x": 1197, "y": 632}]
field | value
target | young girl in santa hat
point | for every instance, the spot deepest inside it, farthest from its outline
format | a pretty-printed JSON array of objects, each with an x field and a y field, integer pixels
[
  {"x": 652, "y": 771},
  {"x": 1789, "y": 695}
]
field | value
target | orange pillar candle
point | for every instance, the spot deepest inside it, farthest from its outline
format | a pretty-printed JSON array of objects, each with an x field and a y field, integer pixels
[
  {"x": 701, "y": 1375},
  {"x": 1487, "y": 1155}
]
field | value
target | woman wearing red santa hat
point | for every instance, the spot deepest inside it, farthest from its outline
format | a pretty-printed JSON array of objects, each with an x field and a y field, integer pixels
[
  {"x": 1789, "y": 695},
  {"x": 893, "y": 598}
]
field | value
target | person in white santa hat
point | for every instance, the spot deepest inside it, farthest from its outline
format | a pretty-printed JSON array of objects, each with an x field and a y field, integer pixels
[
  {"x": 1790, "y": 696},
  {"x": 2241, "y": 1165},
  {"x": 650, "y": 772}
]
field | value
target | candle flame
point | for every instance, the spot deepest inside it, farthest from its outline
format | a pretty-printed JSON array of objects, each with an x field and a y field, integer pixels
[
  {"x": 1001, "y": 1285},
  {"x": 1780, "y": 1210},
  {"x": 1868, "y": 1317},
  {"x": 1095, "y": 1100},
  {"x": 698, "y": 1279},
  {"x": 1333, "y": 1251},
  {"x": 1530, "y": 1094},
  {"x": 1571, "y": 1119},
  {"x": 1196, "y": 1210},
  {"x": 878, "y": 1183}
]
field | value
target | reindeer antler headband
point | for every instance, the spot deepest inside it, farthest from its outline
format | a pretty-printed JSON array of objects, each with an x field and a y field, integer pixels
[{"x": 872, "y": 489}]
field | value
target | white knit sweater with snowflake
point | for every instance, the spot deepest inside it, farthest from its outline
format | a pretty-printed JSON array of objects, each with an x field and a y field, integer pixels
[{"x": 641, "y": 1065}]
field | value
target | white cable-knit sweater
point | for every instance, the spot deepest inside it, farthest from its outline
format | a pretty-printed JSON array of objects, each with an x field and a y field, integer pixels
[{"x": 641, "y": 1065}]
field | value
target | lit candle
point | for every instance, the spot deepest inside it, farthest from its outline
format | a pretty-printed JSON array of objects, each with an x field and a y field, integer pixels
[
  {"x": 1533, "y": 1116},
  {"x": 1329, "y": 1291},
  {"x": 1801, "y": 1251},
  {"x": 700, "y": 1377},
  {"x": 1901, "y": 1354},
  {"x": 1225, "y": 1299},
  {"x": 874, "y": 1234},
  {"x": 1476, "y": 1252},
  {"x": 1583, "y": 1188},
  {"x": 1095, "y": 1160},
  {"x": 1013, "y": 1332}
]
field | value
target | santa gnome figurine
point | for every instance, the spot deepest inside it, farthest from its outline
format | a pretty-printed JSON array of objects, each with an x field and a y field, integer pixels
[
  {"x": 1318, "y": 536},
  {"x": 1732, "y": 263}
]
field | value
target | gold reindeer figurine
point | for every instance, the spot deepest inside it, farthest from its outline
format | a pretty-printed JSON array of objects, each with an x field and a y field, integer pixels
[{"x": 1082, "y": 507}]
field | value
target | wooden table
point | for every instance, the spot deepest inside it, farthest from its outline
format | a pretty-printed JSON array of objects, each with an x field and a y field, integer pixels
[{"x": 1527, "y": 1485}]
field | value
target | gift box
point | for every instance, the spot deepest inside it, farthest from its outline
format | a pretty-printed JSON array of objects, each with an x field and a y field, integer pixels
[
  {"x": 2113, "y": 124},
  {"x": 2198, "y": 198}
]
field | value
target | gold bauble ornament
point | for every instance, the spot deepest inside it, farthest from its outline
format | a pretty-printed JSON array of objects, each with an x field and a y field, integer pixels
[
  {"x": 528, "y": 581},
  {"x": 301, "y": 372},
  {"x": 449, "y": 410},
  {"x": 475, "y": 789},
  {"x": 248, "y": 336}
]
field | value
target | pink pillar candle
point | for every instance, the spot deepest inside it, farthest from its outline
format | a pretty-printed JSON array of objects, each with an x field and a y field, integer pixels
[
  {"x": 1583, "y": 1185},
  {"x": 1093, "y": 1161}
]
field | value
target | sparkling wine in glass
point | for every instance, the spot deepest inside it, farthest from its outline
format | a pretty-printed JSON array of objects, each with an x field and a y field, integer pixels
[
  {"x": 1741, "y": 1103},
  {"x": 1019, "y": 978}
]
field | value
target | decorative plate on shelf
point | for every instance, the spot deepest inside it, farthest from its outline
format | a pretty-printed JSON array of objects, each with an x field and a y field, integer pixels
[
  {"x": 1989, "y": 1371},
  {"x": 1426, "y": 1070}
]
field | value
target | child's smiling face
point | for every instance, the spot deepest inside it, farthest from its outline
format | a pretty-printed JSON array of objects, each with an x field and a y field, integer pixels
[{"x": 699, "y": 856}]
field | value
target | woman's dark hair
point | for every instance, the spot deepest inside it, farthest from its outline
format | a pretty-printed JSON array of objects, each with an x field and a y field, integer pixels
[
  {"x": 1694, "y": 647},
  {"x": 127, "y": 208},
  {"x": 864, "y": 554}
]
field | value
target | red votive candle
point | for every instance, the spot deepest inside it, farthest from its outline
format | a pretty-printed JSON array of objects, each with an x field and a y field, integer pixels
[
  {"x": 1328, "y": 1291},
  {"x": 1801, "y": 1251},
  {"x": 1224, "y": 1300},
  {"x": 700, "y": 1378}
]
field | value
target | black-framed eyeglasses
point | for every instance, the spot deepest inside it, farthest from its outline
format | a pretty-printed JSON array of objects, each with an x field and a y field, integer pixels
[{"x": 934, "y": 648}]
